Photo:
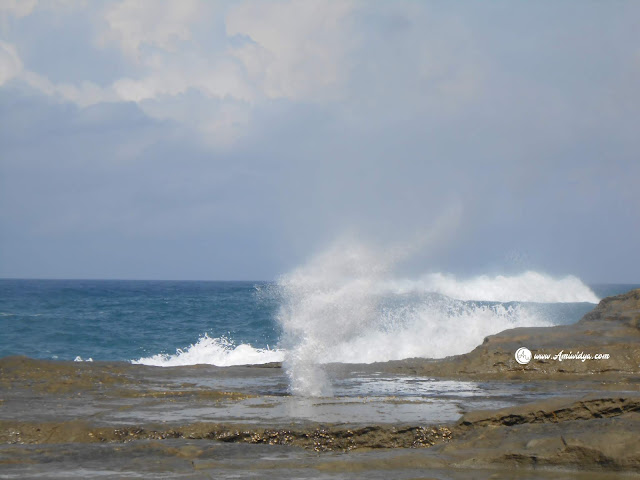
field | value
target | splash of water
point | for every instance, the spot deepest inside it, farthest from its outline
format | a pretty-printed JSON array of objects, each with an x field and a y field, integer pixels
[
  {"x": 326, "y": 301},
  {"x": 343, "y": 306},
  {"x": 214, "y": 351},
  {"x": 431, "y": 328},
  {"x": 526, "y": 287}
]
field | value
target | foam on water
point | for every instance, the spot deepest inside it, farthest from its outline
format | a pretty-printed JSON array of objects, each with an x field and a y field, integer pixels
[
  {"x": 80, "y": 359},
  {"x": 214, "y": 351},
  {"x": 430, "y": 330},
  {"x": 345, "y": 306},
  {"x": 526, "y": 287}
]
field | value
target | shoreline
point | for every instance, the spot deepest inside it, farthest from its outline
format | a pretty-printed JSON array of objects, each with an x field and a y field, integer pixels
[{"x": 579, "y": 416}]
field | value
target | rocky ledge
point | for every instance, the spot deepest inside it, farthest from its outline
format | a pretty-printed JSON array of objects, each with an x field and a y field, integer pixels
[
  {"x": 591, "y": 433},
  {"x": 612, "y": 328}
]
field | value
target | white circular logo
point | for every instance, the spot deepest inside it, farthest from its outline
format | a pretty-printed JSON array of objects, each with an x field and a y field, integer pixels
[{"x": 523, "y": 355}]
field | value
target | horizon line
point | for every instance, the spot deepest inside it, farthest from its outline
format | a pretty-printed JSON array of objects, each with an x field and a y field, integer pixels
[
  {"x": 77, "y": 279},
  {"x": 113, "y": 279}
]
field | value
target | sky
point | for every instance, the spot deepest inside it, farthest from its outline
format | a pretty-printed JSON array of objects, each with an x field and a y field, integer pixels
[{"x": 157, "y": 139}]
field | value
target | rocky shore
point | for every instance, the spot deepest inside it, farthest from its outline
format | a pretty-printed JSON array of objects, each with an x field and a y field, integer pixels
[
  {"x": 118, "y": 420},
  {"x": 612, "y": 328}
]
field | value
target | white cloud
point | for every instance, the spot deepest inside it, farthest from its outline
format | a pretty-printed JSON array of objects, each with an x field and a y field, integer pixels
[
  {"x": 298, "y": 48},
  {"x": 10, "y": 63},
  {"x": 224, "y": 98},
  {"x": 82, "y": 94},
  {"x": 19, "y": 8},
  {"x": 221, "y": 123},
  {"x": 309, "y": 51},
  {"x": 24, "y": 8},
  {"x": 175, "y": 64},
  {"x": 217, "y": 78},
  {"x": 134, "y": 24}
]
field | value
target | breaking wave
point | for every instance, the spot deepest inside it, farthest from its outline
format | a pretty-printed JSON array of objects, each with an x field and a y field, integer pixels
[
  {"x": 526, "y": 287},
  {"x": 214, "y": 351},
  {"x": 345, "y": 306}
]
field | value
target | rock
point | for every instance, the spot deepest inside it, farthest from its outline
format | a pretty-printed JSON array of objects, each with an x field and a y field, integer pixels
[
  {"x": 591, "y": 433},
  {"x": 612, "y": 328}
]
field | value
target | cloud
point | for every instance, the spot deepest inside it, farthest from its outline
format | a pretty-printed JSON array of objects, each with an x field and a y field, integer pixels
[
  {"x": 136, "y": 24},
  {"x": 221, "y": 122},
  {"x": 82, "y": 94},
  {"x": 163, "y": 80},
  {"x": 214, "y": 78},
  {"x": 24, "y": 8},
  {"x": 19, "y": 8},
  {"x": 10, "y": 63},
  {"x": 176, "y": 63},
  {"x": 272, "y": 127},
  {"x": 311, "y": 51},
  {"x": 298, "y": 50}
]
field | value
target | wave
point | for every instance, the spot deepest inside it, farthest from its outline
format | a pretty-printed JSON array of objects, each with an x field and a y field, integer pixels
[
  {"x": 345, "y": 306},
  {"x": 219, "y": 351},
  {"x": 432, "y": 329},
  {"x": 527, "y": 287}
]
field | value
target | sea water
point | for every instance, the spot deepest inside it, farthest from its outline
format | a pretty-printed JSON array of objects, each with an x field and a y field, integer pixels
[
  {"x": 128, "y": 320},
  {"x": 338, "y": 308},
  {"x": 235, "y": 323}
]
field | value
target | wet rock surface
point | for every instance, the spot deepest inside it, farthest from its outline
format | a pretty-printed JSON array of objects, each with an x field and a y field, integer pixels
[
  {"x": 317, "y": 438},
  {"x": 595, "y": 432}
]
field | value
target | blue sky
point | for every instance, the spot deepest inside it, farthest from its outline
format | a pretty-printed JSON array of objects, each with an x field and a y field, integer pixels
[{"x": 233, "y": 140}]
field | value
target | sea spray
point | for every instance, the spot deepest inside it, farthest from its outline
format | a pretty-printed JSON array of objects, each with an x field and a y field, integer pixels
[
  {"x": 121, "y": 320},
  {"x": 325, "y": 302},
  {"x": 219, "y": 351},
  {"x": 431, "y": 326},
  {"x": 334, "y": 300},
  {"x": 526, "y": 287},
  {"x": 345, "y": 306}
]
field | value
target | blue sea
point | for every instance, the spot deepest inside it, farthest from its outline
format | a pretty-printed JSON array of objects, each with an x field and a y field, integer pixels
[
  {"x": 125, "y": 320},
  {"x": 230, "y": 323}
]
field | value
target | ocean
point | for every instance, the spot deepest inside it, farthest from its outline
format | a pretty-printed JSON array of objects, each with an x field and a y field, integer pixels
[
  {"x": 106, "y": 407},
  {"x": 170, "y": 323}
]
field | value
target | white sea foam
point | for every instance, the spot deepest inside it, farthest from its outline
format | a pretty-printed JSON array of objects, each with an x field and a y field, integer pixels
[
  {"x": 429, "y": 330},
  {"x": 526, "y": 287},
  {"x": 80, "y": 359},
  {"x": 214, "y": 351},
  {"x": 344, "y": 306},
  {"x": 326, "y": 303}
]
